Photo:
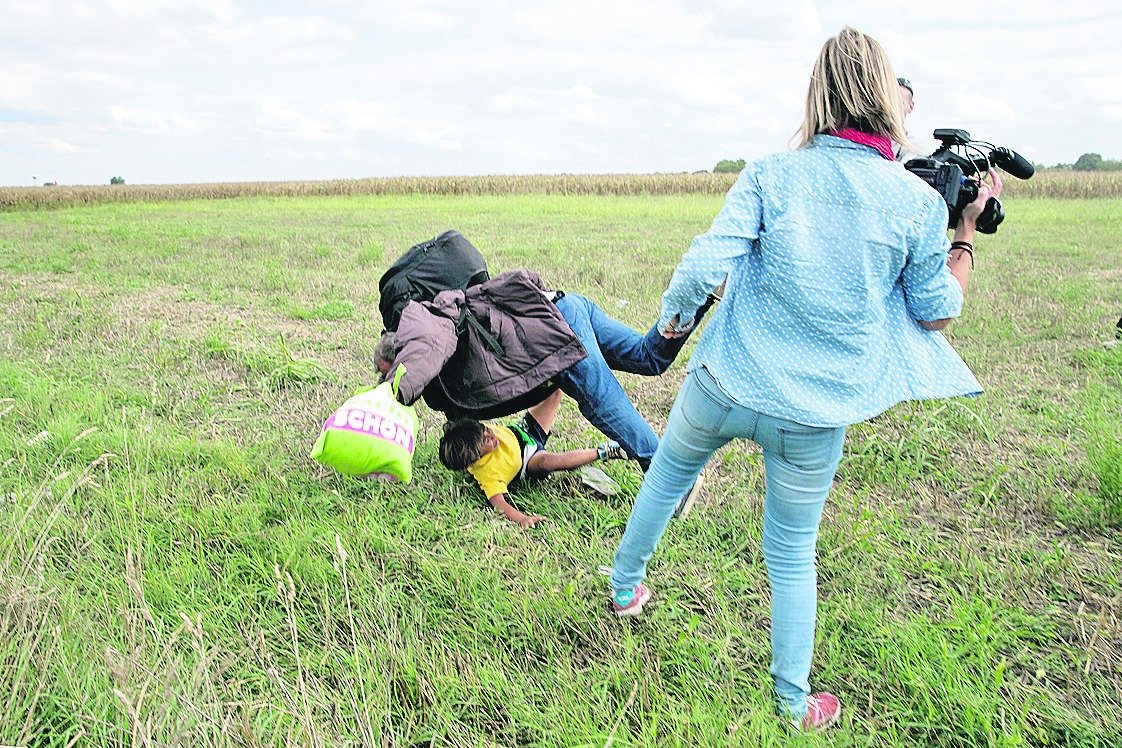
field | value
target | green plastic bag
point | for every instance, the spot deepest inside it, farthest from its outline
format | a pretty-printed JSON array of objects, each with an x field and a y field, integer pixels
[{"x": 371, "y": 435}]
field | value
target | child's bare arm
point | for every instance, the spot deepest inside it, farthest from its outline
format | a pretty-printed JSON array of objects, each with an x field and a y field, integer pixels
[{"x": 498, "y": 501}]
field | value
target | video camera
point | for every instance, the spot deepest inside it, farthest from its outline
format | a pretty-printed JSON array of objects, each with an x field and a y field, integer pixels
[{"x": 957, "y": 165}]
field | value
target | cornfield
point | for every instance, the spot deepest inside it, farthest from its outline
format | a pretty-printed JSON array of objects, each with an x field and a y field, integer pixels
[
  {"x": 1048, "y": 183},
  {"x": 1067, "y": 185},
  {"x": 22, "y": 198}
]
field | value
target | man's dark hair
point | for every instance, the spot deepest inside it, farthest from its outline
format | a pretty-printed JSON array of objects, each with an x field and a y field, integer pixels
[
  {"x": 386, "y": 348},
  {"x": 459, "y": 447}
]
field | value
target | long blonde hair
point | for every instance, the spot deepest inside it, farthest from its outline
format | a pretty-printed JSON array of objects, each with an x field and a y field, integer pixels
[{"x": 853, "y": 85}]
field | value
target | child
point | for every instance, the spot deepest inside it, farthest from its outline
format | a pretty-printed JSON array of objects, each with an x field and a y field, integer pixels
[{"x": 498, "y": 456}]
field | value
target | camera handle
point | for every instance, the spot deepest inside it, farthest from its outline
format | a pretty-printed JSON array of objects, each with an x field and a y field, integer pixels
[{"x": 992, "y": 216}]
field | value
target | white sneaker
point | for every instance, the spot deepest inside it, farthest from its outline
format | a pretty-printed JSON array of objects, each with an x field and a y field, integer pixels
[{"x": 600, "y": 482}]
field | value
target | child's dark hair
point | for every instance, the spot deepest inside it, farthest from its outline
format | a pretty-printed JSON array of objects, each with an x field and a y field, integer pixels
[{"x": 459, "y": 447}]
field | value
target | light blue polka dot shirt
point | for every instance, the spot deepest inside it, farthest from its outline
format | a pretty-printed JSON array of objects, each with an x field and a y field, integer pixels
[{"x": 832, "y": 254}]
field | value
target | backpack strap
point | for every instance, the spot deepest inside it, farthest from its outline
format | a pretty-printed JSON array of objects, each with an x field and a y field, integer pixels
[{"x": 470, "y": 319}]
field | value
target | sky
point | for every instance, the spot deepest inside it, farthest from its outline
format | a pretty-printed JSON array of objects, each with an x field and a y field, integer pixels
[{"x": 232, "y": 90}]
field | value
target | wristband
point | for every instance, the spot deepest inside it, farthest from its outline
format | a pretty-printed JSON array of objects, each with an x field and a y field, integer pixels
[{"x": 966, "y": 247}]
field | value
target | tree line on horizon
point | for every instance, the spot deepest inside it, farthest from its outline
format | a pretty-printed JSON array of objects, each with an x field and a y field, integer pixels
[
  {"x": 1092, "y": 162},
  {"x": 1086, "y": 162}
]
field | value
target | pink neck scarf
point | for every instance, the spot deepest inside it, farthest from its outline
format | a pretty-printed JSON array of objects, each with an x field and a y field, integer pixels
[{"x": 881, "y": 143}]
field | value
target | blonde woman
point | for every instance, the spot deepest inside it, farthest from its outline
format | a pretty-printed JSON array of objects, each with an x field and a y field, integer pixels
[{"x": 839, "y": 277}]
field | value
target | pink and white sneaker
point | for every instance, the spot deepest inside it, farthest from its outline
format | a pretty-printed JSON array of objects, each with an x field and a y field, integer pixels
[
  {"x": 823, "y": 710},
  {"x": 626, "y": 604}
]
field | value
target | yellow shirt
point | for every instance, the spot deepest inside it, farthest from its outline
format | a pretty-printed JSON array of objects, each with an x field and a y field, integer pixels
[{"x": 498, "y": 468}]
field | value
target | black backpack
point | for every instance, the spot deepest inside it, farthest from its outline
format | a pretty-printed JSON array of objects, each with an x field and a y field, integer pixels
[{"x": 445, "y": 262}]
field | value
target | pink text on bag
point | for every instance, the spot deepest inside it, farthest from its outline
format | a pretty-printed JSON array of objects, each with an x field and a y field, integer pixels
[{"x": 374, "y": 424}]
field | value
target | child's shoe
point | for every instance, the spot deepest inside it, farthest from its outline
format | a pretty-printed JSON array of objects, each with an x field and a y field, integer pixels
[
  {"x": 600, "y": 482},
  {"x": 611, "y": 451},
  {"x": 823, "y": 710},
  {"x": 687, "y": 502},
  {"x": 625, "y": 604}
]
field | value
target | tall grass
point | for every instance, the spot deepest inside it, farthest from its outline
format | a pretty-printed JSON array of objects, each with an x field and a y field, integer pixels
[
  {"x": 1068, "y": 185},
  {"x": 174, "y": 570},
  {"x": 31, "y": 198},
  {"x": 1063, "y": 184}
]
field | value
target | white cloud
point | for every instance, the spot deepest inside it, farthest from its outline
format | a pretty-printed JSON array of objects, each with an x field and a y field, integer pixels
[
  {"x": 57, "y": 145},
  {"x": 139, "y": 122},
  {"x": 191, "y": 90},
  {"x": 768, "y": 22},
  {"x": 436, "y": 139},
  {"x": 23, "y": 137}
]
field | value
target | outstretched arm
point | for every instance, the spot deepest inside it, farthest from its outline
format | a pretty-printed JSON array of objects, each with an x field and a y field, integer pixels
[
  {"x": 713, "y": 255},
  {"x": 511, "y": 512},
  {"x": 425, "y": 343}
]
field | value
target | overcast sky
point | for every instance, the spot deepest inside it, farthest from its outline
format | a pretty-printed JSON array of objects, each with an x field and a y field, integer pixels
[{"x": 231, "y": 90}]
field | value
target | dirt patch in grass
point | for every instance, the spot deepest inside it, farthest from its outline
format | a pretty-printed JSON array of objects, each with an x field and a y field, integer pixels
[
  {"x": 332, "y": 342},
  {"x": 1055, "y": 567},
  {"x": 339, "y": 345},
  {"x": 46, "y": 286}
]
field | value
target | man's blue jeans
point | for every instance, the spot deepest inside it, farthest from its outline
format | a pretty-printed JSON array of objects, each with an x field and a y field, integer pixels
[
  {"x": 799, "y": 466},
  {"x": 613, "y": 345}
]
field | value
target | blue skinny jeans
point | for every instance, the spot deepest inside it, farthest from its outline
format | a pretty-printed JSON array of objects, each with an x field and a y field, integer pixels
[
  {"x": 799, "y": 466},
  {"x": 613, "y": 345}
]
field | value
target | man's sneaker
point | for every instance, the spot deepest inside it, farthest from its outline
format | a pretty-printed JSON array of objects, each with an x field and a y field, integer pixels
[
  {"x": 626, "y": 604},
  {"x": 687, "y": 502},
  {"x": 823, "y": 710},
  {"x": 611, "y": 451}
]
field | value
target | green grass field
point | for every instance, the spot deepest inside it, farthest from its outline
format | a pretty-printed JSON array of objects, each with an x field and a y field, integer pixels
[{"x": 176, "y": 571}]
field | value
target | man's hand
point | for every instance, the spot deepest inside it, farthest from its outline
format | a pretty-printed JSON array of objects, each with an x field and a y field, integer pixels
[{"x": 672, "y": 329}]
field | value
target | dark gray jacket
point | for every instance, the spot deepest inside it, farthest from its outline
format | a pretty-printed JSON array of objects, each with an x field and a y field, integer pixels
[{"x": 483, "y": 350}]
